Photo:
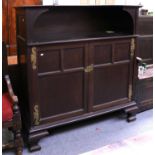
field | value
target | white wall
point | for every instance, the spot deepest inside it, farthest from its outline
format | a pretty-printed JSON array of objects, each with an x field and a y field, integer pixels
[
  {"x": 147, "y": 4},
  {"x": 69, "y": 2},
  {"x": 119, "y": 2},
  {"x": 61, "y": 2}
]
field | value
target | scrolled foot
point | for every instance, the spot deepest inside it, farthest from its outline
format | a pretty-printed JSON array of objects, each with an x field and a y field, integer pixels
[
  {"x": 34, "y": 139},
  {"x": 34, "y": 147},
  {"x": 131, "y": 113},
  {"x": 131, "y": 118}
]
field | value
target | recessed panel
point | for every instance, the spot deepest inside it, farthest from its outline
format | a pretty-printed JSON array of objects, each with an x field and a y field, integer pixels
[
  {"x": 49, "y": 61},
  {"x": 122, "y": 51},
  {"x": 102, "y": 54},
  {"x": 62, "y": 93},
  {"x": 145, "y": 90},
  {"x": 111, "y": 83},
  {"x": 73, "y": 57}
]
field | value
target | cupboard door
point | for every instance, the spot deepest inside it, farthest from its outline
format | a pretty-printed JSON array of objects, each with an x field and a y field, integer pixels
[
  {"x": 62, "y": 81},
  {"x": 112, "y": 75}
]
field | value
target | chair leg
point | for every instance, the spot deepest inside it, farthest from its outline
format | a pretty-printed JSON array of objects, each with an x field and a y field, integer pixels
[
  {"x": 18, "y": 142},
  {"x": 19, "y": 151},
  {"x": 8, "y": 145}
]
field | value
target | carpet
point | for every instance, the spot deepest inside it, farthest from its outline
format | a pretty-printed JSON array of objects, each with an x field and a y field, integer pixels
[{"x": 140, "y": 144}]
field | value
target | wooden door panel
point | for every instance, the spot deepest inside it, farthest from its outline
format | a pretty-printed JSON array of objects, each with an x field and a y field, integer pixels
[
  {"x": 73, "y": 57},
  {"x": 122, "y": 51},
  {"x": 62, "y": 81},
  {"x": 111, "y": 83},
  {"x": 103, "y": 54},
  {"x": 64, "y": 92},
  {"x": 49, "y": 60},
  {"x": 112, "y": 72}
]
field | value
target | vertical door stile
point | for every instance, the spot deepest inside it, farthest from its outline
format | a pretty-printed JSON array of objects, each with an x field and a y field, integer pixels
[
  {"x": 86, "y": 82},
  {"x": 132, "y": 54},
  {"x": 34, "y": 86}
]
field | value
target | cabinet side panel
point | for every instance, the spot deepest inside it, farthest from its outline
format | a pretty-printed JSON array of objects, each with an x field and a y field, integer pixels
[
  {"x": 145, "y": 50},
  {"x": 23, "y": 82},
  {"x": 145, "y": 25}
]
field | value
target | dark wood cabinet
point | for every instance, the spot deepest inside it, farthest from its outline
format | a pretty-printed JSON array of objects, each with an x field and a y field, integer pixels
[
  {"x": 144, "y": 94},
  {"x": 144, "y": 87},
  {"x": 145, "y": 38},
  {"x": 145, "y": 25},
  {"x": 75, "y": 62}
]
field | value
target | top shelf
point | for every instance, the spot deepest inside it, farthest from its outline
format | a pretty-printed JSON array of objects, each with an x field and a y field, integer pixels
[{"x": 56, "y": 23}]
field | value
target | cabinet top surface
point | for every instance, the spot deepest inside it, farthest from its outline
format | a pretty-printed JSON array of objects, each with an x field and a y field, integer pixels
[{"x": 47, "y": 6}]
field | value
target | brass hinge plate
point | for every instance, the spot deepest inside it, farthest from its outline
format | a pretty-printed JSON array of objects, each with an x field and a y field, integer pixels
[
  {"x": 36, "y": 115},
  {"x": 132, "y": 48},
  {"x": 89, "y": 68},
  {"x": 130, "y": 92},
  {"x": 34, "y": 58}
]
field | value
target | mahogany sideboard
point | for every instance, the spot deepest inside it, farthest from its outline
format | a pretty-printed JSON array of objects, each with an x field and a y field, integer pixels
[{"x": 76, "y": 62}]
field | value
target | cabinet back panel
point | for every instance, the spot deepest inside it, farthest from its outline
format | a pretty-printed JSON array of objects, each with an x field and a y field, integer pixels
[
  {"x": 65, "y": 92},
  {"x": 61, "y": 23}
]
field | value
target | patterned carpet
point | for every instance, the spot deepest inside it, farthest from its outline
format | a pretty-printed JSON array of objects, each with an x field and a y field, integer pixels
[
  {"x": 141, "y": 144},
  {"x": 94, "y": 136}
]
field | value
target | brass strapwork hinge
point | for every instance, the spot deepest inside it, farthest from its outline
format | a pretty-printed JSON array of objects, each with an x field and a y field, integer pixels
[
  {"x": 130, "y": 92},
  {"x": 132, "y": 48},
  {"x": 36, "y": 115},
  {"x": 89, "y": 68},
  {"x": 34, "y": 58}
]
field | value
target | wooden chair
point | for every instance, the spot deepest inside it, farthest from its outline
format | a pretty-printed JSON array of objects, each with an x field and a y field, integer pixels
[{"x": 11, "y": 118}]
